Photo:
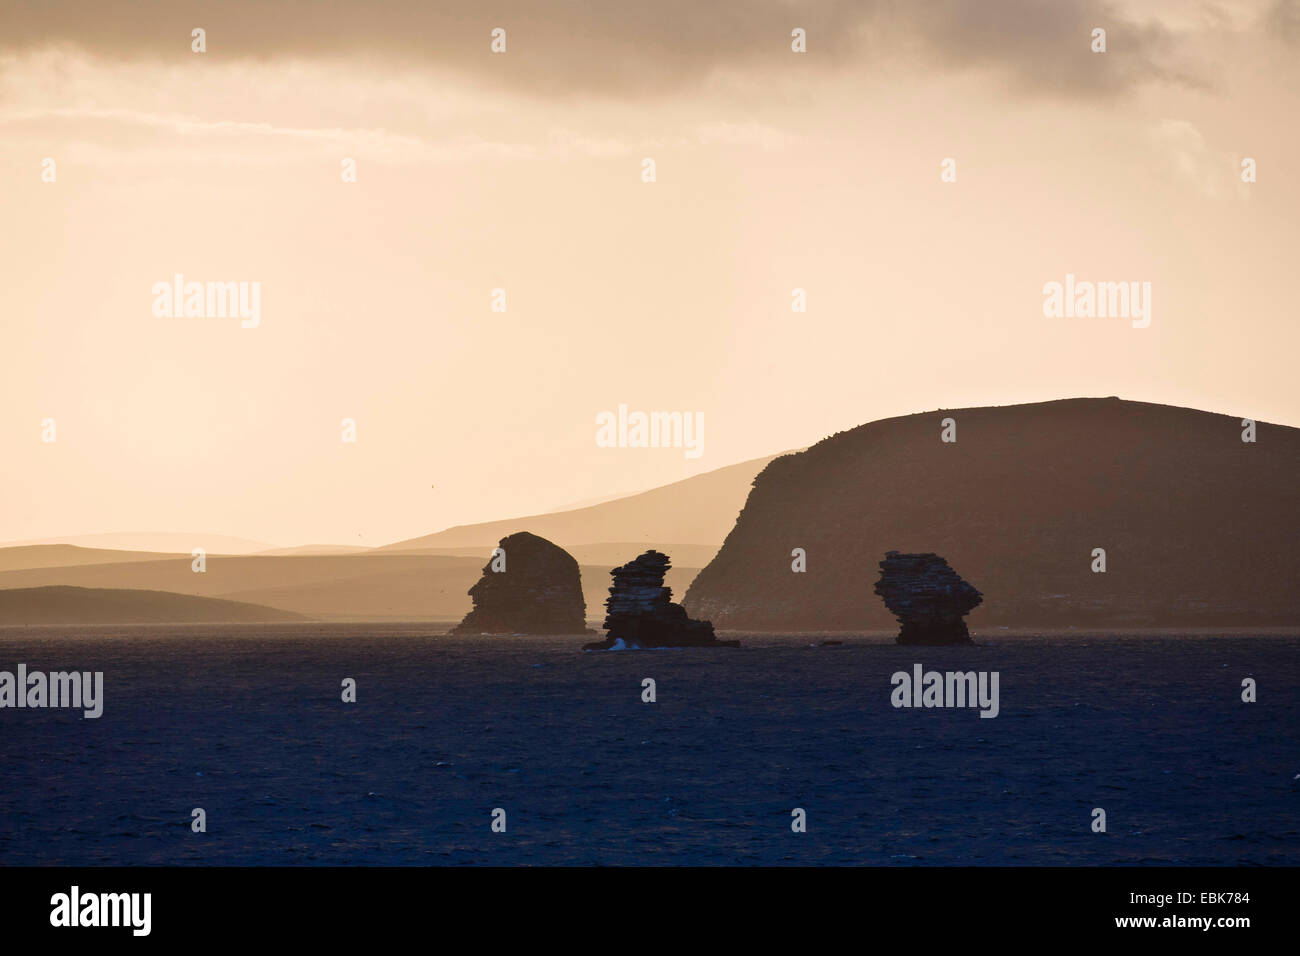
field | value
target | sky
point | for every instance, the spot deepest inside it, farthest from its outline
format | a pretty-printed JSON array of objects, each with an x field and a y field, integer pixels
[{"x": 524, "y": 171}]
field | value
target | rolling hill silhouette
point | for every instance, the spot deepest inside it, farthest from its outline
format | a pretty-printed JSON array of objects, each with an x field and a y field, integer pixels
[
  {"x": 696, "y": 511},
  {"x": 425, "y": 578},
  {"x": 29, "y": 557},
  {"x": 375, "y": 586},
  {"x": 154, "y": 541},
  {"x": 1199, "y": 528},
  {"x": 103, "y": 606}
]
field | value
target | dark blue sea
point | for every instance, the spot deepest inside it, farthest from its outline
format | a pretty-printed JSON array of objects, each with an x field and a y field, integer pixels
[{"x": 247, "y": 723}]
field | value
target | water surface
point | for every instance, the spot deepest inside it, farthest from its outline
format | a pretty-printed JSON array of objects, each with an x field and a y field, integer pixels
[{"x": 247, "y": 723}]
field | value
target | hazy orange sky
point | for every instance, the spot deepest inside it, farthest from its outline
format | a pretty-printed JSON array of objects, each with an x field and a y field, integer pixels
[{"x": 523, "y": 171}]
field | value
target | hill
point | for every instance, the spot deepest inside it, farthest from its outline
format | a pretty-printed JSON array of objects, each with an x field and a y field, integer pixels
[
  {"x": 157, "y": 541},
  {"x": 425, "y": 578},
  {"x": 31, "y": 556},
  {"x": 106, "y": 606},
  {"x": 1199, "y": 528},
  {"x": 695, "y": 511},
  {"x": 407, "y": 586}
]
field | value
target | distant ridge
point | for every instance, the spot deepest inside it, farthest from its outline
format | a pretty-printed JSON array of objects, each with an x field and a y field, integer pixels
[
  {"x": 375, "y": 586},
  {"x": 315, "y": 549},
  {"x": 695, "y": 511},
  {"x": 604, "y": 554},
  {"x": 32, "y": 556},
  {"x": 1199, "y": 528},
  {"x": 158, "y": 541},
  {"x": 107, "y": 606}
]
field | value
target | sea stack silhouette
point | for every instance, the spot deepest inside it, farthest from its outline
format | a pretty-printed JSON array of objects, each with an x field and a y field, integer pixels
[
  {"x": 640, "y": 612},
  {"x": 928, "y": 597},
  {"x": 530, "y": 586}
]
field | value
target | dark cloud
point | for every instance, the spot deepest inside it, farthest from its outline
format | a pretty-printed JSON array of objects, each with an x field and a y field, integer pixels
[
  {"x": 623, "y": 48},
  {"x": 1045, "y": 46},
  {"x": 1283, "y": 20}
]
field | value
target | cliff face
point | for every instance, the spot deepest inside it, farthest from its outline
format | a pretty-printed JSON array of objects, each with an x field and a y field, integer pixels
[{"x": 1199, "y": 528}]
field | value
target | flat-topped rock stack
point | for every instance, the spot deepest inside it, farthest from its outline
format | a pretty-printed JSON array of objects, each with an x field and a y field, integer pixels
[
  {"x": 532, "y": 587},
  {"x": 928, "y": 597},
  {"x": 640, "y": 612}
]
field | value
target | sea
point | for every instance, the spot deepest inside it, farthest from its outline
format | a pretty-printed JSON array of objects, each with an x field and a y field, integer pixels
[{"x": 515, "y": 750}]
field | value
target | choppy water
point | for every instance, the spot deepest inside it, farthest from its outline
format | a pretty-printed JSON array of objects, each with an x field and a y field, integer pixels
[{"x": 247, "y": 723}]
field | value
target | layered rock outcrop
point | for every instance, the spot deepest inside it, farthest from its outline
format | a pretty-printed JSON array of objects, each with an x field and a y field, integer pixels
[
  {"x": 530, "y": 586},
  {"x": 640, "y": 612},
  {"x": 928, "y": 597}
]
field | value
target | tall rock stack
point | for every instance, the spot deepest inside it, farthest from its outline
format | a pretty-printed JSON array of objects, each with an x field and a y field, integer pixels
[
  {"x": 533, "y": 587},
  {"x": 640, "y": 612},
  {"x": 928, "y": 597}
]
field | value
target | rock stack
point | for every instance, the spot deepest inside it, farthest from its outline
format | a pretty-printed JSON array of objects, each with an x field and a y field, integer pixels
[
  {"x": 640, "y": 612},
  {"x": 532, "y": 587},
  {"x": 928, "y": 597}
]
